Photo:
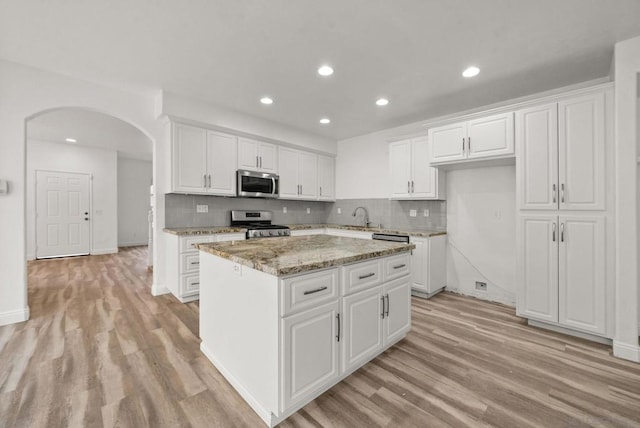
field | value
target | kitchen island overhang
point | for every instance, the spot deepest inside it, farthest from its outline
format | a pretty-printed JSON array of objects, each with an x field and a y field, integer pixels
[{"x": 285, "y": 319}]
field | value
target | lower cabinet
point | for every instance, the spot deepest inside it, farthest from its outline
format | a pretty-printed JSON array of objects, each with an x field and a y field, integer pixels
[
  {"x": 311, "y": 352},
  {"x": 362, "y": 322},
  {"x": 562, "y": 271},
  {"x": 429, "y": 265},
  {"x": 183, "y": 262}
]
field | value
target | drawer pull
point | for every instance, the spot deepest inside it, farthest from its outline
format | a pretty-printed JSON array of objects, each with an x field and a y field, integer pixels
[
  {"x": 400, "y": 266},
  {"x": 195, "y": 283},
  {"x": 195, "y": 263},
  {"x": 366, "y": 276},
  {"x": 317, "y": 290}
]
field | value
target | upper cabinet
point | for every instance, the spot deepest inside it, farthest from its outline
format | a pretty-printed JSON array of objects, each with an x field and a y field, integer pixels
[
  {"x": 326, "y": 178},
  {"x": 257, "y": 155},
  {"x": 561, "y": 155},
  {"x": 298, "y": 174},
  {"x": 411, "y": 175},
  {"x": 485, "y": 138},
  {"x": 203, "y": 161}
]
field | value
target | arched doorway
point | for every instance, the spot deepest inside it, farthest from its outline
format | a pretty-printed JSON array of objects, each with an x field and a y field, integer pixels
[{"x": 111, "y": 160}]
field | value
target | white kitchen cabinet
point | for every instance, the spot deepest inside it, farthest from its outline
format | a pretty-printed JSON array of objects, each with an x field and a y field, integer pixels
[
  {"x": 203, "y": 161},
  {"x": 310, "y": 352},
  {"x": 183, "y": 262},
  {"x": 362, "y": 326},
  {"x": 561, "y": 155},
  {"x": 562, "y": 271},
  {"x": 428, "y": 265},
  {"x": 411, "y": 175},
  {"x": 298, "y": 174},
  {"x": 484, "y": 138},
  {"x": 397, "y": 310},
  {"x": 326, "y": 178},
  {"x": 257, "y": 155}
]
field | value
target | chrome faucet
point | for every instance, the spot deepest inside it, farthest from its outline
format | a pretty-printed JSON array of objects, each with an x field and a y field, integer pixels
[{"x": 366, "y": 216}]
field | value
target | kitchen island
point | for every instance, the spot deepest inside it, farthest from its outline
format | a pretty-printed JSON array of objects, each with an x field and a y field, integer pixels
[{"x": 285, "y": 319}]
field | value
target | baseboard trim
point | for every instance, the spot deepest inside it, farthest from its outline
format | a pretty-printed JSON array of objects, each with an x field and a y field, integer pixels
[
  {"x": 159, "y": 290},
  {"x": 570, "y": 332},
  {"x": 626, "y": 351},
  {"x": 133, "y": 244},
  {"x": 12, "y": 317},
  {"x": 104, "y": 251}
]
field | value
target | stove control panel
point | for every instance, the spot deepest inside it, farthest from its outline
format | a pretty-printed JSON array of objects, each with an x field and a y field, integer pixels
[{"x": 267, "y": 233}]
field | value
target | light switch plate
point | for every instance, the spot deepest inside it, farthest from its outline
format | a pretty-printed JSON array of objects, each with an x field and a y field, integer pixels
[
  {"x": 339, "y": 210},
  {"x": 202, "y": 208},
  {"x": 284, "y": 210},
  {"x": 413, "y": 213},
  {"x": 308, "y": 210}
]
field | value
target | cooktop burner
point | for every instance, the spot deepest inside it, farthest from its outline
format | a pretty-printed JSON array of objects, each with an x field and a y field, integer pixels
[{"x": 258, "y": 224}]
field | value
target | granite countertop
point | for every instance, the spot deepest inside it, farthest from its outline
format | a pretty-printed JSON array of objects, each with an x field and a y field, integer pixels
[
  {"x": 398, "y": 231},
  {"x": 203, "y": 230},
  {"x": 299, "y": 254},
  {"x": 425, "y": 233}
]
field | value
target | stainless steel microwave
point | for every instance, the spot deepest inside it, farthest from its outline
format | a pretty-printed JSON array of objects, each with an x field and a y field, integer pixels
[{"x": 257, "y": 184}]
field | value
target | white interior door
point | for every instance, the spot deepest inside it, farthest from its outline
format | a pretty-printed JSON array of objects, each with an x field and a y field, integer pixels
[{"x": 62, "y": 214}]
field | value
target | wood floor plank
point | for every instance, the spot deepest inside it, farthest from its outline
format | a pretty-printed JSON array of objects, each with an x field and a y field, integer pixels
[{"x": 101, "y": 351}]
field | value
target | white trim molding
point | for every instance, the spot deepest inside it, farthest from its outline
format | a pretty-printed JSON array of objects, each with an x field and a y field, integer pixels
[
  {"x": 159, "y": 290},
  {"x": 104, "y": 251},
  {"x": 13, "y": 317},
  {"x": 626, "y": 351}
]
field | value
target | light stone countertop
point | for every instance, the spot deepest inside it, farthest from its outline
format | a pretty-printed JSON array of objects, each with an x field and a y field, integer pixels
[
  {"x": 292, "y": 255},
  {"x": 203, "y": 230},
  {"x": 425, "y": 233}
]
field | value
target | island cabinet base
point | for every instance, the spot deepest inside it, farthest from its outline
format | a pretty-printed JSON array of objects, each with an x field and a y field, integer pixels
[{"x": 283, "y": 341}]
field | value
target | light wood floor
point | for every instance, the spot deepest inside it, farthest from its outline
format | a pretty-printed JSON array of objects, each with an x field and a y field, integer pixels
[{"x": 99, "y": 350}]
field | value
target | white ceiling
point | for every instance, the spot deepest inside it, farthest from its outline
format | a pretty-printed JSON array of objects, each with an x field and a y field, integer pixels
[
  {"x": 230, "y": 53},
  {"x": 91, "y": 129}
]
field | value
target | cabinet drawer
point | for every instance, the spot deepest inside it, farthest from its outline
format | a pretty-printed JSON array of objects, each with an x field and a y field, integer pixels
[
  {"x": 397, "y": 266},
  {"x": 187, "y": 243},
  {"x": 361, "y": 276},
  {"x": 190, "y": 262},
  {"x": 189, "y": 284},
  {"x": 304, "y": 291}
]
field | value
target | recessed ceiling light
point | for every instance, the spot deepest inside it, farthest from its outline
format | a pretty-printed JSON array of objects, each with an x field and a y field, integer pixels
[
  {"x": 325, "y": 70},
  {"x": 266, "y": 100},
  {"x": 325, "y": 120},
  {"x": 382, "y": 102},
  {"x": 471, "y": 71},
  {"x": 70, "y": 140}
]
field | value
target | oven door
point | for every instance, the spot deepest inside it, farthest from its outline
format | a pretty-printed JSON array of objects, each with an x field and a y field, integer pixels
[{"x": 257, "y": 184}]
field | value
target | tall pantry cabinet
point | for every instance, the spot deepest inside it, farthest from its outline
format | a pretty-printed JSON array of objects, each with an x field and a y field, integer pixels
[{"x": 564, "y": 174}]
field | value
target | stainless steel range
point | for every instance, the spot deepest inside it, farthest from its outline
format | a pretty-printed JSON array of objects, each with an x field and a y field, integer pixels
[{"x": 258, "y": 224}]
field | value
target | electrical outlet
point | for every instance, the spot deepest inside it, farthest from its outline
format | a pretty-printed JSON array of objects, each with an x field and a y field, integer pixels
[
  {"x": 237, "y": 269},
  {"x": 284, "y": 210},
  {"x": 339, "y": 210},
  {"x": 426, "y": 212},
  {"x": 308, "y": 210},
  {"x": 413, "y": 213},
  {"x": 482, "y": 286},
  {"x": 202, "y": 208}
]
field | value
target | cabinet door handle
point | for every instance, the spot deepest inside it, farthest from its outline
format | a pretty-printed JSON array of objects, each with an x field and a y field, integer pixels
[
  {"x": 553, "y": 234},
  {"x": 408, "y": 187},
  {"x": 369, "y": 275},
  {"x": 209, "y": 181},
  {"x": 382, "y": 313},
  {"x": 387, "y": 313},
  {"x": 257, "y": 164},
  {"x": 462, "y": 145},
  {"x": 469, "y": 144},
  {"x": 204, "y": 176},
  {"x": 260, "y": 161},
  {"x": 561, "y": 232},
  {"x": 412, "y": 187},
  {"x": 317, "y": 290},
  {"x": 301, "y": 189},
  {"x": 338, "y": 321},
  {"x": 320, "y": 190},
  {"x": 399, "y": 266},
  {"x": 562, "y": 193},
  {"x": 554, "y": 193}
]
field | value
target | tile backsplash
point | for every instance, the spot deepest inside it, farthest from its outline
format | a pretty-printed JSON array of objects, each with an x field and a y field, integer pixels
[{"x": 180, "y": 211}]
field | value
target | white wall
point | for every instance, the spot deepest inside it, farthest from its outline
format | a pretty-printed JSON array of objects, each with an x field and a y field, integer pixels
[
  {"x": 25, "y": 92},
  {"x": 134, "y": 179},
  {"x": 101, "y": 164},
  {"x": 481, "y": 232},
  {"x": 174, "y": 105}
]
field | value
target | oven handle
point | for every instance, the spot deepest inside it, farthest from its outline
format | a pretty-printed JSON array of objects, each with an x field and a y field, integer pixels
[{"x": 273, "y": 180}]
